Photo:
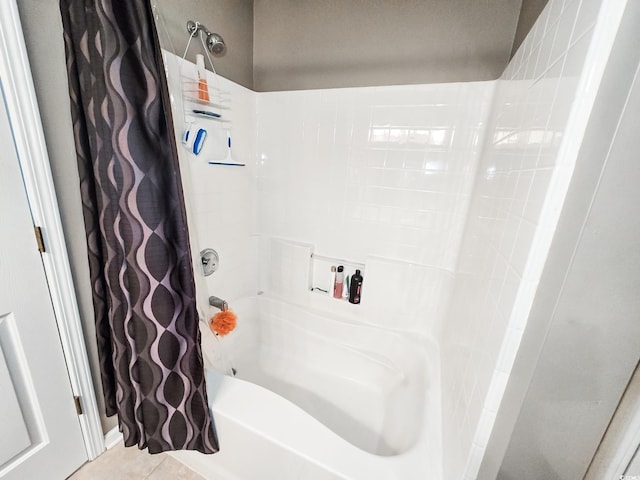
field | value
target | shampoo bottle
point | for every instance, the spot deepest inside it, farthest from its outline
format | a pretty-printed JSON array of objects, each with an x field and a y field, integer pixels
[
  {"x": 203, "y": 89},
  {"x": 345, "y": 288},
  {"x": 355, "y": 289},
  {"x": 337, "y": 289},
  {"x": 332, "y": 281}
]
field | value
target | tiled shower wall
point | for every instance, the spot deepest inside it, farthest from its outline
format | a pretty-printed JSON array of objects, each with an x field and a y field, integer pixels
[
  {"x": 383, "y": 171},
  {"x": 526, "y": 160},
  {"x": 380, "y": 176}
]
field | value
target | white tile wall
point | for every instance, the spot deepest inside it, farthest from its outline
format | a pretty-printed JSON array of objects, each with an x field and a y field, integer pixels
[
  {"x": 523, "y": 170},
  {"x": 371, "y": 171},
  {"x": 380, "y": 172},
  {"x": 356, "y": 173},
  {"x": 405, "y": 296}
]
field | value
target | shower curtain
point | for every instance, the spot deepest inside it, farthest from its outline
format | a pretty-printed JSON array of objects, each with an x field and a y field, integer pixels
[{"x": 137, "y": 238}]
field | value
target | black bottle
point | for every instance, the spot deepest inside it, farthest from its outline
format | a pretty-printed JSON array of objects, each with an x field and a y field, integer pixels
[{"x": 355, "y": 288}]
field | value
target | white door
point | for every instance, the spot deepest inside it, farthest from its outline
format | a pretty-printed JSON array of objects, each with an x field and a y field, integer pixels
[{"x": 40, "y": 436}]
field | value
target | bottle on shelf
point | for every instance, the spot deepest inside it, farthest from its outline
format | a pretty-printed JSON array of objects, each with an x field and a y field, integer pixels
[
  {"x": 355, "y": 289},
  {"x": 337, "y": 289},
  {"x": 332, "y": 281},
  {"x": 345, "y": 288}
]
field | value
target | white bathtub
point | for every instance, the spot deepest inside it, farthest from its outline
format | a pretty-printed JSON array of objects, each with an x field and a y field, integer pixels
[{"x": 321, "y": 398}]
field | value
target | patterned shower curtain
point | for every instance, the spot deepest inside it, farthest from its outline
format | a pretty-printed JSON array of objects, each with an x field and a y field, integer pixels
[{"x": 139, "y": 256}]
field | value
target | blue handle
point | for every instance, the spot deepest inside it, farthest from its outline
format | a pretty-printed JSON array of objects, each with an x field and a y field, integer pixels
[{"x": 198, "y": 143}]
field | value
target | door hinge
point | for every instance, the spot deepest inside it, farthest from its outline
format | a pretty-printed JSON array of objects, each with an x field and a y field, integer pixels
[
  {"x": 39, "y": 239},
  {"x": 76, "y": 400}
]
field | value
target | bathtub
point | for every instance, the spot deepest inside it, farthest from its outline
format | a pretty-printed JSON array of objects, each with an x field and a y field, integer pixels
[{"x": 319, "y": 396}]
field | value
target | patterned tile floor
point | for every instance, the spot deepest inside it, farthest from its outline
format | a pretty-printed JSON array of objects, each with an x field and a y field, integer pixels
[{"x": 119, "y": 463}]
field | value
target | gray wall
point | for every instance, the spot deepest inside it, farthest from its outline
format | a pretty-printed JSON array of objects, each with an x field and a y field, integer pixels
[
  {"x": 233, "y": 19},
  {"x": 297, "y": 44},
  {"x": 302, "y": 44},
  {"x": 581, "y": 343},
  {"x": 277, "y": 45},
  {"x": 529, "y": 13}
]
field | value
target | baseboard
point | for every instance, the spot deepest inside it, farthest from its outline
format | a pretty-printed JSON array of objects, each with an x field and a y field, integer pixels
[{"x": 112, "y": 437}]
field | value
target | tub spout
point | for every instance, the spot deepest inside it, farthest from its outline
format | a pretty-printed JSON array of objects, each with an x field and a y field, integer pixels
[{"x": 218, "y": 303}]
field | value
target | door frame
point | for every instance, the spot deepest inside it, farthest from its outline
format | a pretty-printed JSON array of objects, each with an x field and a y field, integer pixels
[
  {"x": 621, "y": 441},
  {"x": 24, "y": 116}
]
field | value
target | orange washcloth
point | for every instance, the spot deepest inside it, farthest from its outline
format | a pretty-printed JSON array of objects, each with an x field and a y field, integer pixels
[{"x": 223, "y": 322}]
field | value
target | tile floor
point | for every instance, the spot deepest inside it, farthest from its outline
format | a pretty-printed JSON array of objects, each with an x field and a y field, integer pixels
[{"x": 132, "y": 464}]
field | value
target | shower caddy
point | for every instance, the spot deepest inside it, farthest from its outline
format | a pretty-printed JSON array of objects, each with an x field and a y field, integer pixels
[{"x": 204, "y": 102}]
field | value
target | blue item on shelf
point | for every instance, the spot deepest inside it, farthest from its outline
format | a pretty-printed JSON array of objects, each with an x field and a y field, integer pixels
[{"x": 198, "y": 142}]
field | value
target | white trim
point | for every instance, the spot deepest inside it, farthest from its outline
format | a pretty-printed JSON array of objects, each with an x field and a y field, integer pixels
[
  {"x": 629, "y": 445},
  {"x": 112, "y": 438},
  {"x": 29, "y": 138},
  {"x": 622, "y": 438}
]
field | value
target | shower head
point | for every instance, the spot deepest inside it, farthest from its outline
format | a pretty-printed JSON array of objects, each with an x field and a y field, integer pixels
[{"x": 215, "y": 43}]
